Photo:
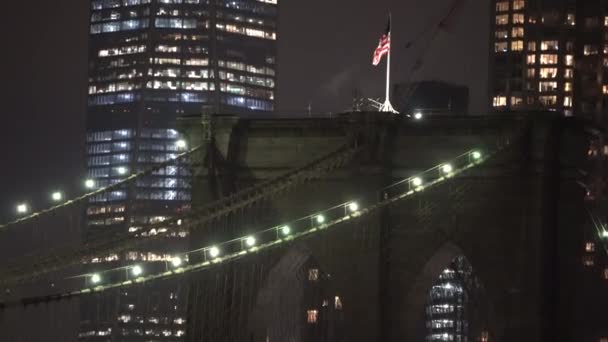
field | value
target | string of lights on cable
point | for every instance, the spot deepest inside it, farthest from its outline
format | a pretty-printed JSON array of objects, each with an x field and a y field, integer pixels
[
  {"x": 25, "y": 269},
  {"x": 271, "y": 237},
  {"x": 58, "y": 197}
]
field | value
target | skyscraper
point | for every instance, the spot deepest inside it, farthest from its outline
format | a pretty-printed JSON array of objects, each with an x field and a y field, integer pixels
[
  {"x": 151, "y": 61},
  {"x": 454, "y": 310},
  {"x": 551, "y": 55}
]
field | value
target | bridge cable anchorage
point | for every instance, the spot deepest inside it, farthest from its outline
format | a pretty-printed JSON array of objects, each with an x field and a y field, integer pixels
[
  {"x": 277, "y": 235},
  {"x": 40, "y": 264},
  {"x": 86, "y": 196}
]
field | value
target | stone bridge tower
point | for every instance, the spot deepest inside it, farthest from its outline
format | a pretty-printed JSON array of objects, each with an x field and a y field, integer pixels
[{"x": 514, "y": 219}]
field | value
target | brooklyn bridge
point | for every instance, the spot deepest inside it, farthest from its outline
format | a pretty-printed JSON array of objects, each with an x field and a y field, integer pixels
[{"x": 359, "y": 227}]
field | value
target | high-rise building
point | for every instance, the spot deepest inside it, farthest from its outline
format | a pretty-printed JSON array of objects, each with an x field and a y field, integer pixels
[
  {"x": 453, "y": 310},
  {"x": 551, "y": 55},
  {"x": 151, "y": 61}
]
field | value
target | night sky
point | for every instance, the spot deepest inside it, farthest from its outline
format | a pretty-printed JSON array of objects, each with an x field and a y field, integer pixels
[{"x": 325, "y": 52}]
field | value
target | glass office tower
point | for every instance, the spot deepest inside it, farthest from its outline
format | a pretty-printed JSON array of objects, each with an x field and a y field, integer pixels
[{"x": 151, "y": 61}]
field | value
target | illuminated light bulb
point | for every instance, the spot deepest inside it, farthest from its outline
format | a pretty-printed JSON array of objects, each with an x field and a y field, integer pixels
[
  {"x": 95, "y": 278},
  {"x": 285, "y": 230},
  {"x": 181, "y": 144},
  {"x": 446, "y": 168},
  {"x": 250, "y": 241},
  {"x": 353, "y": 206},
  {"x": 476, "y": 155},
  {"x": 417, "y": 181},
  {"x": 57, "y": 196},
  {"x": 176, "y": 261},
  {"x": 89, "y": 184},
  {"x": 214, "y": 252},
  {"x": 137, "y": 270},
  {"x": 121, "y": 170},
  {"x": 417, "y": 115},
  {"x": 320, "y": 218},
  {"x": 22, "y": 208}
]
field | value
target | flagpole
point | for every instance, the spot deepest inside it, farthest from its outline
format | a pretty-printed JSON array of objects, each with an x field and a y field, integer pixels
[
  {"x": 387, "y": 107},
  {"x": 388, "y": 72}
]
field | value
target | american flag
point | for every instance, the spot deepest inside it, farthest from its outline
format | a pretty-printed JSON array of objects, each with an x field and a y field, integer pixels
[{"x": 384, "y": 45}]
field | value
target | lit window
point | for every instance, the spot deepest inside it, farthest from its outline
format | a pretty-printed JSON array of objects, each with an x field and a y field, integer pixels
[
  {"x": 502, "y": 19},
  {"x": 313, "y": 274},
  {"x": 547, "y": 86},
  {"x": 338, "y": 303},
  {"x": 518, "y": 4},
  {"x": 518, "y": 18},
  {"x": 484, "y": 336},
  {"x": 531, "y": 46},
  {"x": 569, "y": 60},
  {"x": 567, "y": 101},
  {"x": 605, "y": 274},
  {"x": 548, "y": 59},
  {"x": 312, "y": 316},
  {"x": 517, "y": 101},
  {"x": 590, "y": 49},
  {"x": 606, "y": 21},
  {"x": 548, "y": 72},
  {"x": 549, "y": 45},
  {"x": 517, "y": 45},
  {"x": 248, "y": 31},
  {"x": 548, "y": 100},
  {"x": 517, "y": 32},
  {"x": 501, "y": 47},
  {"x": 531, "y": 59},
  {"x": 499, "y": 101},
  {"x": 568, "y": 73},
  {"x": 570, "y": 19},
  {"x": 502, "y": 6},
  {"x": 568, "y": 86},
  {"x": 501, "y": 34},
  {"x": 125, "y": 50},
  {"x": 531, "y": 73},
  {"x": 605, "y": 89}
]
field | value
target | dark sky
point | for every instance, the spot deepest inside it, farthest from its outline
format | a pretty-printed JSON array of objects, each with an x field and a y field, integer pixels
[{"x": 325, "y": 49}]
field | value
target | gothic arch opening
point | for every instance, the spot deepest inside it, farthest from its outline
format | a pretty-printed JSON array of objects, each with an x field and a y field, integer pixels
[
  {"x": 456, "y": 307},
  {"x": 297, "y": 303}
]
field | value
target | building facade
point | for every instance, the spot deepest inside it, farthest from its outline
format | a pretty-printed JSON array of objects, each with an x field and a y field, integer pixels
[
  {"x": 151, "y": 61},
  {"x": 551, "y": 55}
]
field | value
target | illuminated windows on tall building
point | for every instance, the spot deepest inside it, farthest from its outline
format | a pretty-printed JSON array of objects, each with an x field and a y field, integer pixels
[
  {"x": 151, "y": 61},
  {"x": 551, "y": 36},
  {"x": 453, "y": 305},
  {"x": 312, "y": 316}
]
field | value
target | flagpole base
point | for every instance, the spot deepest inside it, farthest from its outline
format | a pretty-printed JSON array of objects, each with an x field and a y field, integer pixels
[{"x": 387, "y": 107}]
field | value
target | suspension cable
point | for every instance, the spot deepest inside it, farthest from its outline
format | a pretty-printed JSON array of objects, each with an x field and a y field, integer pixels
[{"x": 278, "y": 235}]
